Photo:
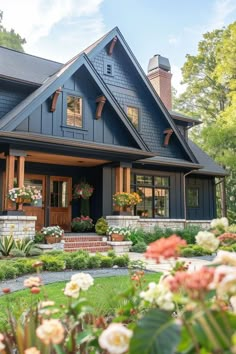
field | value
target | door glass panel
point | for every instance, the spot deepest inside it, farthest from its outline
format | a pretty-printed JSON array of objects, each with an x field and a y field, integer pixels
[
  {"x": 144, "y": 209},
  {"x": 161, "y": 202},
  {"x": 38, "y": 183},
  {"x": 59, "y": 194}
]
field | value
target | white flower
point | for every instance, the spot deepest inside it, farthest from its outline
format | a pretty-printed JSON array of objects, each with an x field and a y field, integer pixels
[
  {"x": 84, "y": 280},
  {"x": 50, "y": 331},
  {"x": 115, "y": 339},
  {"x": 160, "y": 295},
  {"x": 224, "y": 281},
  {"x": 207, "y": 240},
  {"x": 226, "y": 258},
  {"x": 220, "y": 223},
  {"x": 233, "y": 303},
  {"x": 32, "y": 350},
  {"x": 72, "y": 289}
]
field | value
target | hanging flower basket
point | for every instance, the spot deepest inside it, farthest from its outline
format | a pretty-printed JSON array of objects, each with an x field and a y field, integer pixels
[{"x": 83, "y": 190}]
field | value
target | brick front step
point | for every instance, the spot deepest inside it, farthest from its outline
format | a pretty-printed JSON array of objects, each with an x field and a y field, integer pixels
[
  {"x": 82, "y": 238},
  {"x": 90, "y": 249},
  {"x": 84, "y": 244}
]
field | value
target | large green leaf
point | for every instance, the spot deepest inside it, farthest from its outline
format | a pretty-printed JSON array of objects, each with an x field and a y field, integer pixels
[{"x": 156, "y": 333}]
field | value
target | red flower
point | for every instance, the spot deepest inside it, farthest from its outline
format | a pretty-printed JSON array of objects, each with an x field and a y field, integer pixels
[{"x": 165, "y": 248}]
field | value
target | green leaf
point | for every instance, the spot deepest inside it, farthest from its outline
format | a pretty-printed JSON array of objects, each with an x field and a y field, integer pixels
[
  {"x": 58, "y": 349},
  {"x": 156, "y": 333}
]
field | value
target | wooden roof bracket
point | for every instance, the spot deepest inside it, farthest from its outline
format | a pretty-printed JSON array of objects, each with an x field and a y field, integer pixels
[
  {"x": 101, "y": 101},
  {"x": 168, "y": 133},
  {"x": 54, "y": 99},
  {"x": 112, "y": 45}
]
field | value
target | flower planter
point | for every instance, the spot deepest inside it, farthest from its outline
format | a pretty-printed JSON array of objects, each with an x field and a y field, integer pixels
[
  {"x": 22, "y": 200},
  {"x": 52, "y": 239},
  {"x": 117, "y": 237}
]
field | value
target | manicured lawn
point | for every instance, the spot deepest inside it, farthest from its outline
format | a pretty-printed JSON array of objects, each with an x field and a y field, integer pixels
[{"x": 102, "y": 295}]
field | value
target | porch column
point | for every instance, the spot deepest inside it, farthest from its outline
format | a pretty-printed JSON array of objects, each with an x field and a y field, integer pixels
[
  {"x": 126, "y": 177},
  {"x": 10, "y": 168},
  {"x": 119, "y": 181},
  {"x": 20, "y": 175}
]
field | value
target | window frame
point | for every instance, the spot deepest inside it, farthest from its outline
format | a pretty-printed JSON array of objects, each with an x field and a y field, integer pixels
[
  {"x": 75, "y": 95},
  {"x": 139, "y": 115},
  {"x": 198, "y": 197},
  {"x": 153, "y": 186}
]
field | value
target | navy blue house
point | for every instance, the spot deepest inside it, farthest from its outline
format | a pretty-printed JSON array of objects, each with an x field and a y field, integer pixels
[{"x": 99, "y": 117}]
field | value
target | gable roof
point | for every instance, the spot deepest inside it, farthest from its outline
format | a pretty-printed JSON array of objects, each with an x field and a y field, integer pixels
[
  {"x": 106, "y": 39},
  {"x": 24, "y": 67},
  {"x": 12, "y": 119}
]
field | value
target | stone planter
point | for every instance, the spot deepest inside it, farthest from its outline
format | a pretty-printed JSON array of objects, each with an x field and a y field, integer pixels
[{"x": 120, "y": 247}]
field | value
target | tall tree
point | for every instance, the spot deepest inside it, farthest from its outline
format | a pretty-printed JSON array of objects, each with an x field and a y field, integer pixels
[
  {"x": 10, "y": 39},
  {"x": 211, "y": 95}
]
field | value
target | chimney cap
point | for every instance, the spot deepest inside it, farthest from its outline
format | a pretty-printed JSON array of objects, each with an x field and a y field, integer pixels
[{"x": 157, "y": 61}]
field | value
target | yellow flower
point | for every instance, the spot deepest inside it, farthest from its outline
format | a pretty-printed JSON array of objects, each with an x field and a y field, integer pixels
[
  {"x": 115, "y": 339},
  {"x": 50, "y": 331}
]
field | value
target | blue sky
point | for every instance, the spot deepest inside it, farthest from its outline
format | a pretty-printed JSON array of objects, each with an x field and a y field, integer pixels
[{"x": 59, "y": 29}]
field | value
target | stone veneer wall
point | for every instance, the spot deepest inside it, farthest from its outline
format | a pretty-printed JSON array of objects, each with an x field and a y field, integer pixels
[
  {"x": 19, "y": 226},
  {"x": 149, "y": 224}
]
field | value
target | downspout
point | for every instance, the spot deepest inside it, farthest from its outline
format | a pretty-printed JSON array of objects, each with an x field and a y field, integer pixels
[
  {"x": 185, "y": 203},
  {"x": 223, "y": 196}
]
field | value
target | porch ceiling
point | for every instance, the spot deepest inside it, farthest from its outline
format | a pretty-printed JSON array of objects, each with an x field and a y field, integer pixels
[{"x": 41, "y": 157}]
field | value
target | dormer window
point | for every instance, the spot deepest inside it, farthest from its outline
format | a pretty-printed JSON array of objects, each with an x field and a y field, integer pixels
[
  {"x": 74, "y": 111},
  {"x": 133, "y": 115}
]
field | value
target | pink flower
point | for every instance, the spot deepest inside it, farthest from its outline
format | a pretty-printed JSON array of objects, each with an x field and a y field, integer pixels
[{"x": 165, "y": 248}]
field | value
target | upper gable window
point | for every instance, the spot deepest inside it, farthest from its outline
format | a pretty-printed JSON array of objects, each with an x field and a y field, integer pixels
[
  {"x": 74, "y": 111},
  {"x": 133, "y": 114}
]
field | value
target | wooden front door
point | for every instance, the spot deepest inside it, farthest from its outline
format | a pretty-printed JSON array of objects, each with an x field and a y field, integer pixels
[
  {"x": 39, "y": 208},
  {"x": 60, "y": 201}
]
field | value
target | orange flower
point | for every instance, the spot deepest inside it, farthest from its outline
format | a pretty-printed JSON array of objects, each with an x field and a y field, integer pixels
[
  {"x": 35, "y": 290},
  {"x": 165, "y": 248}
]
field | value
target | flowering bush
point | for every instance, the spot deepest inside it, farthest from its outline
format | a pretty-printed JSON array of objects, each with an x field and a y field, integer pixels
[
  {"x": 30, "y": 194},
  {"x": 83, "y": 190},
  {"x": 82, "y": 223},
  {"x": 125, "y": 231},
  {"x": 56, "y": 231},
  {"x": 124, "y": 199},
  {"x": 207, "y": 240}
]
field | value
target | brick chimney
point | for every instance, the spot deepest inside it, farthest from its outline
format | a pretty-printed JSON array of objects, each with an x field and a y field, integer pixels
[{"x": 160, "y": 76}]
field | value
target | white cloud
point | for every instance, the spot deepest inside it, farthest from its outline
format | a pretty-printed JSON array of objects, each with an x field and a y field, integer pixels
[
  {"x": 173, "y": 40},
  {"x": 221, "y": 11},
  {"x": 41, "y": 21}
]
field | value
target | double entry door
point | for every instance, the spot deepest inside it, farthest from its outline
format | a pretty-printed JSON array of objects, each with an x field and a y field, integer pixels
[{"x": 55, "y": 206}]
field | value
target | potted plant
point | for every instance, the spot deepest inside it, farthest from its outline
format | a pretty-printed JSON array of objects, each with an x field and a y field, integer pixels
[
  {"x": 118, "y": 233},
  {"x": 125, "y": 200},
  {"x": 82, "y": 223},
  {"x": 29, "y": 194},
  {"x": 52, "y": 234}
]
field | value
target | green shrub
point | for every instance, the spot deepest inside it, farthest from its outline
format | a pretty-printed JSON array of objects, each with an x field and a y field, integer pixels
[
  {"x": 101, "y": 226},
  {"x": 25, "y": 245},
  {"x": 67, "y": 258},
  {"x": 121, "y": 261},
  {"x": 35, "y": 252},
  {"x": 106, "y": 262},
  {"x": 136, "y": 236},
  {"x": 193, "y": 251},
  {"x": 17, "y": 253},
  {"x": 80, "y": 262},
  {"x": 55, "y": 253},
  {"x": 189, "y": 233},
  {"x": 94, "y": 262},
  {"x": 23, "y": 266},
  {"x": 111, "y": 254},
  {"x": 80, "y": 253},
  {"x": 139, "y": 247},
  {"x": 2, "y": 275},
  {"x": 52, "y": 263},
  {"x": 6, "y": 244},
  {"x": 39, "y": 238},
  {"x": 9, "y": 271}
]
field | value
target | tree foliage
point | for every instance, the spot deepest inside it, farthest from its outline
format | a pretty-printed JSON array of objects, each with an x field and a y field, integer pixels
[
  {"x": 10, "y": 39},
  {"x": 211, "y": 94}
]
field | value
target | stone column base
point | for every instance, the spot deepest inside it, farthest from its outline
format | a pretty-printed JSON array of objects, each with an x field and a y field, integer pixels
[{"x": 20, "y": 226}]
